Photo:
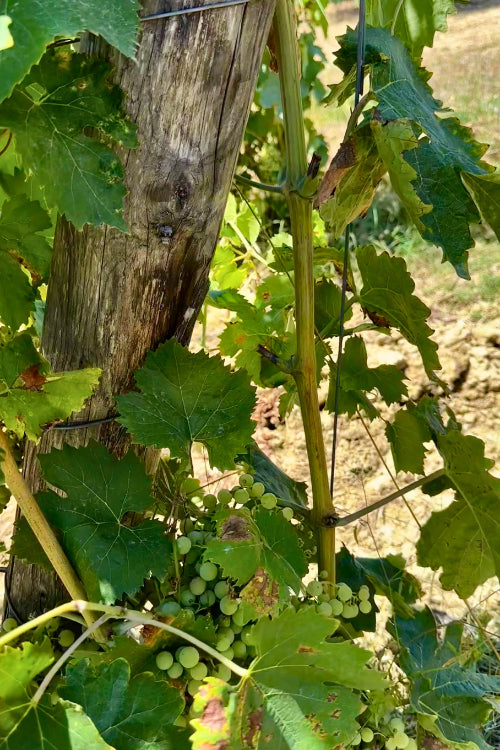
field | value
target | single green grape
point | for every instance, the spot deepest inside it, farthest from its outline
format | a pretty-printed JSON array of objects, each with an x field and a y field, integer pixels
[
  {"x": 186, "y": 525},
  {"x": 228, "y": 653},
  {"x": 324, "y": 597},
  {"x": 401, "y": 739},
  {"x": 390, "y": 744},
  {"x": 197, "y": 586},
  {"x": 199, "y": 671},
  {"x": 367, "y": 734},
  {"x": 228, "y": 606},
  {"x": 356, "y": 740},
  {"x": 183, "y": 545},
  {"x": 314, "y": 588},
  {"x": 208, "y": 598},
  {"x": 224, "y": 496},
  {"x": 364, "y": 592},
  {"x": 221, "y": 589},
  {"x": 258, "y": 489},
  {"x": 240, "y": 650},
  {"x": 193, "y": 686},
  {"x": 336, "y": 606},
  {"x": 246, "y": 480},
  {"x": 187, "y": 597},
  {"x": 365, "y": 606},
  {"x": 169, "y": 608},
  {"x": 238, "y": 618},
  {"x": 164, "y": 660},
  {"x": 344, "y": 592},
  {"x": 223, "y": 672},
  {"x": 9, "y": 624},
  {"x": 287, "y": 513},
  {"x": 349, "y": 611},
  {"x": 175, "y": 671},
  {"x": 226, "y": 632},
  {"x": 196, "y": 536},
  {"x": 268, "y": 501},
  {"x": 66, "y": 638},
  {"x": 324, "y": 608},
  {"x": 188, "y": 656},
  {"x": 397, "y": 724},
  {"x": 223, "y": 643},
  {"x": 323, "y": 575},
  {"x": 241, "y": 497},
  {"x": 209, "y": 501}
]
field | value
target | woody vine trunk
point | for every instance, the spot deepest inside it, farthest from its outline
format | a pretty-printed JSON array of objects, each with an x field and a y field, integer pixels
[{"x": 113, "y": 296}]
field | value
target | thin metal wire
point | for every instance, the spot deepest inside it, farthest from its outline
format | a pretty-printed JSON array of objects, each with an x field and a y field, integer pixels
[
  {"x": 79, "y": 425},
  {"x": 360, "y": 59},
  {"x": 196, "y": 9}
]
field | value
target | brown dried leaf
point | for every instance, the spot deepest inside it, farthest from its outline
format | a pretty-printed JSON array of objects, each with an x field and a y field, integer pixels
[{"x": 342, "y": 162}]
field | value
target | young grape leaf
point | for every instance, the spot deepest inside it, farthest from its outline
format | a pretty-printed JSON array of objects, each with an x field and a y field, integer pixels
[
  {"x": 188, "y": 398},
  {"x": 112, "y": 559},
  {"x": 388, "y": 291},
  {"x": 130, "y": 714},
  {"x": 445, "y": 150},
  {"x": 35, "y": 25},
  {"x": 464, "y": 538},
  {"x": 415, "y": 21},
  {"x": 50, "y": 113},
  {"x": 355, "y": 192},
  {"x": 407, "y": 434},
  {"x": 244, "y": 544},
  {"x": 37, "y": 399},
  {"x": 25, "y": 724},
  {"x": 293, "y": 494},
  {"x": 299, "y": 686},
  {"x": 451, "y": 700}
]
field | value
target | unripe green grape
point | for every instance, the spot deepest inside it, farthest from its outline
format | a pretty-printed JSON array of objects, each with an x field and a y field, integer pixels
[
  {"x": 344, "y": 592},
  {"x": 287, "y": 513},
  {"x": 336, "y": 606},
  {"x": 225, "y": 621},
  {"x": 401, "y": 739},
  {"x": 324, "y": 597},
  {"x": 367, "y": 734},
  {"x": 240, "y": 650},
  {"x": 183, "y": 544},
  {"x": 241, "y": 497},
  {"x": 193, "y": 686},
  {"x": 196, "y": 536},
  {"x": 197, "y": 586},
  {"x": 314, "y": 588},
  {"x": 228, "y": 653},
  {"x": 324, "y": 608},
  {"x": 209, "y": 501},
  {"x": 349, "y": 611},
  {"x": 356, "y": 740},
  {"x": 199, "y": 671},
  {"x": 268, "y": 501},
  {"x": 66, "y": 638},
  {"x": 197, "y": 565},
  {"x": 223, "y": 672},
  {"x": 175, "y": 671},
  {"x": 236, "y": 628},
  {"x": 188, "y": 656},
  {"x": 365, "y": 606},
  {"x": 224, "y": 497},
  {"x": 390, "y": 744},
  {"x": 208, "y": 599},
  {"x": 187, "y": 597},
  {"x": 221, "y": 589},
  {"x": 323, "y": 575},
  {"x": 223, "y": 643},
  {"x": 238, "y": 618},
  {"x": 228, "y": 606},
  {"x": 186, "y": 525},
  {"x": 397, "y": 724},
  {"x": 258, "y": 489},
  {"x": 164, "y": 660},
  {"x": 9, "y": 624},
  {"x": 226, "y": 633},
  {"x": 246, "y": 480},
  {"x": 412, "y": 744},
  {"x": 246, "y": 636},
  {"x": 364, "y": 592}
]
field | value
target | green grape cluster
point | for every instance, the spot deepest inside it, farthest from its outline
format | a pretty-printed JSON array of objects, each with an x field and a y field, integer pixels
[
  {"x": 399, "y": 739},
  {"x": 338, "y": 600}
]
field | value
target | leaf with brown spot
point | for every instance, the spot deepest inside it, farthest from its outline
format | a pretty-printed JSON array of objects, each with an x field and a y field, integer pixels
[
  {"x": 235, "y": 529},
  {"x": 214, "y": 703},
  {"x": 342, "y": 162},
  {"x": 262, "y": 594},
  {"x": 32, "y": 378}
]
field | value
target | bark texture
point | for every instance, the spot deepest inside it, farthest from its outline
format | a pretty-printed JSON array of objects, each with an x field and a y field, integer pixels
[{"x": 113, "y": 296}]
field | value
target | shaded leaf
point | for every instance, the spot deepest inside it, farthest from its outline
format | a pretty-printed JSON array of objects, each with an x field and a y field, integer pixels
[
  {"x": 36, "y": 24},
  {"x": 485, "y": 189},
  {"x": 327, "y": 303},
  {"x": 130, "y": 714},
  {"x": 111, "y": 558},
  {"x": 407, "y": 434},
  {"x": 188, "y": 398},
  {"x": 49, "y": 113},
  {"x": 388, "y": 290}
]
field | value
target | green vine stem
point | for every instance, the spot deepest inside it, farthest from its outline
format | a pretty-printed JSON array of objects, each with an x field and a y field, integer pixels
[
  {"x": 304, "y": 372},
  {"x": 40, "y": 527},
  {"x": 119, "y": 613}
]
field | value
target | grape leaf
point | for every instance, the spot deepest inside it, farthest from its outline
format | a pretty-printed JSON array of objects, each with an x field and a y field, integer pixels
[
  {"x": 416, "y": 22},
  {"x": 299, "y": 685},
  {"x": 444, "y": 151},
  {"x": 188, "y": 398},
  {"x": 485, "y": 189},
  {"x": 354, "y": 194},
  {"x": 111, "y": 558},
  {"x": 244, "y": 544},
  {"x": 388, "y": 291},
  {"x": 35, "y": 24},
  {"x": 24, "y": 724},
  {"x": 29, "y": 404},
  {"x": 130, "y": 714},
  {"x": 451, "y": 699},
  {"x": 327, "y": 301},
  {"x": 25, "y": 546},
  {"x": 464, "y": 538},
  {"x": 49, "y": 114},
  {"x": 407, "y": 434}
]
